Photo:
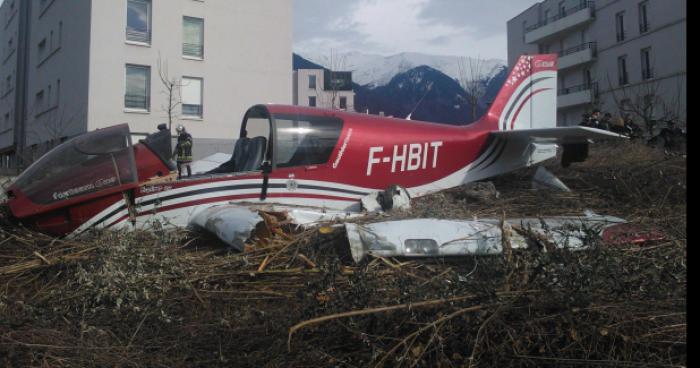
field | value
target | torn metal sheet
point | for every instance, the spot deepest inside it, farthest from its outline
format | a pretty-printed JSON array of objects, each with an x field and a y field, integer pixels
[
  {"x": 307, "y": 216},
  {"x": 444, "y": 238},
  {"x": 544, "y": 179},
  {"x": 232, "y": 224},
  {"x": 394, "y": 197}
]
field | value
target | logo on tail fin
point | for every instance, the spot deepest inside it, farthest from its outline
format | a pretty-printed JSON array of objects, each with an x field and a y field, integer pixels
[{"x": 528, "y": 98}]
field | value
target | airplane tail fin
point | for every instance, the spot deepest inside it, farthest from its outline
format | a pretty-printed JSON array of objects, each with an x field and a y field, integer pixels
[{"x": 528, "y": 98}]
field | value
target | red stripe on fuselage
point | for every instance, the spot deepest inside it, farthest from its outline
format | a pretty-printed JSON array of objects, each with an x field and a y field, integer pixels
[
  {"x": 234, "y": 197},
  {"x": 517, "y": 112}
]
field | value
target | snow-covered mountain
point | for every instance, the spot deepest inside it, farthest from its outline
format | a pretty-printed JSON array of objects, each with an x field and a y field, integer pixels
[{"x": 376, "y": 70}]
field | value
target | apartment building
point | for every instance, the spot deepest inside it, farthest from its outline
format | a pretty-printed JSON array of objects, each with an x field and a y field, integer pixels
[
  {"x": 323, "y": 88},
  {"x": 9, "y": 56},
  {"x": 621, "y": 56},
  {"x": 78, "y": 65}
]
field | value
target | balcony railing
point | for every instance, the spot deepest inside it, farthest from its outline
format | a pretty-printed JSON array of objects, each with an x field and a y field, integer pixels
[
  {"x": 192, "y": 110},
  {"x": 140, "y": 102},
  {"x": 138, "y": 36},
  {"x": 193, "y": 49},
  {"x": 581, "y": 87},
  {"x": 647, "y": 73},
  {"x": 581, "y": 47},
  {"x": 564, "y": 14}
]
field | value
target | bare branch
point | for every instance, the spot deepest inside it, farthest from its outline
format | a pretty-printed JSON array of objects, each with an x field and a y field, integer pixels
[
  {"x": 470, "y": 72},
  {"x": 172, "y": 87}
]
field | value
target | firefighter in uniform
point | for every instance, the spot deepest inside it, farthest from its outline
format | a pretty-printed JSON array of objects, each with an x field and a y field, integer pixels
[{"x": 183, "y": 151}]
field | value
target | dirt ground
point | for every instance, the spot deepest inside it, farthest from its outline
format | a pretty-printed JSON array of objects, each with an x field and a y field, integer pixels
[{"x": 174, "y": 299}]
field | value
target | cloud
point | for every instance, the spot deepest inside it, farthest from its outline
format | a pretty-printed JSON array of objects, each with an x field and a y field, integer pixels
[
  {"x": 445, "y": 27},
  {"x": 484, "y": 17}
]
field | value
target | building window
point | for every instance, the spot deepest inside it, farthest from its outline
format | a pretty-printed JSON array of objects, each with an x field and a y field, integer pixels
[
  {"x": 42, "y": 49},
  {"x": 622, "y": 70},
  {"x": 587, "y": 78},
  {"x": 647, "y": 71},
  {"x": 343, "y": 103},
  {"x": 620, "y": 26},
  {"x": 138, "y": 87},
  {"x": 312, "y": 82},
  {"x": 138, "y": 21},
  {"x": 39, "y": 102},
  {"x": 312, "y": 101},
  {"x": 193, "y": 37},
  {"x": 643, "y": 21},
  {"x": 192, "y": 97},
  {"x": 562, "y": 9}
]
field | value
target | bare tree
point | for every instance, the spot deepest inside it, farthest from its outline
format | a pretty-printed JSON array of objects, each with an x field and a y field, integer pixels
[
  {"x": 672, "y": 105},
  {"x": 470, "y": 72},
  {"x": 335, "y": 64},
  {"x": 643, "y": 101},
  {"x": 51, "y": 127},
  {"x": 171, "y": 89}
]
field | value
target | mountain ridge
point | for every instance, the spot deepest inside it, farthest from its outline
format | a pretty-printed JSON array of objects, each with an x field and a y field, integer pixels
[
  {"x": 424, "y": 92},
  {"x": 376, "y": 70}
]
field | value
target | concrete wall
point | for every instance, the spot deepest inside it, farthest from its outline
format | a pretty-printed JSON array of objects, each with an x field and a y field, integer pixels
[
  {"x": 59, "y": 68},
  {"x": 247, "y": 60},
  {"x": 9, "y": 23},
  {"x": 666, "y": 37}
]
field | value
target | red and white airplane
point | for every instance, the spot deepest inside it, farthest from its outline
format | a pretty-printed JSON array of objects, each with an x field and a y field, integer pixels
[{"x": 295, "y": 156}]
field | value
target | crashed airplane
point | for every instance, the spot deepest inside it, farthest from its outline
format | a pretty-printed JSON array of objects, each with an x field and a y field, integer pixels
[{"x": 313, "y": 162}]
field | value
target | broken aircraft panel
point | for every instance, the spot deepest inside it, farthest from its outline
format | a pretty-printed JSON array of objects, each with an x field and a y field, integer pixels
[{"x": 444, "y": 238}]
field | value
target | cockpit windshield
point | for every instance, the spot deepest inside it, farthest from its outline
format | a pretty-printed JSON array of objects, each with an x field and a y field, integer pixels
[
  {"x": 88, "y": 163},
  {"x": 305, "y": 140}
]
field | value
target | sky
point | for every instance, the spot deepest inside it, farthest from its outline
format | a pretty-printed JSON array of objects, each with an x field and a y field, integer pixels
[{"x": 387, "y": 27}]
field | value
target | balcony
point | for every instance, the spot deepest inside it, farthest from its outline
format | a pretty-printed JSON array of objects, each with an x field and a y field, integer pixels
[
  {"x": 583, "y": 94},
  {"x": 568, "y": 20},
  {"x": 577, "y": 55}
]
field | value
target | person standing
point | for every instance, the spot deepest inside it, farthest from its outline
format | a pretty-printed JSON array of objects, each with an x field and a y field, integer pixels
[{"x": 183, "y": 151}]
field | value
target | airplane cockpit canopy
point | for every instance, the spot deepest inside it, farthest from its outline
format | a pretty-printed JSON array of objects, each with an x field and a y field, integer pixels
[
  {"x": 86, "y": 164},
  {"x": 285, "y": 137}
]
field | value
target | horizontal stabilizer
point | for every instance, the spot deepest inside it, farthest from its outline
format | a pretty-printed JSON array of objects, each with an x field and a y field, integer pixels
[{"x": 562, "y": 135}]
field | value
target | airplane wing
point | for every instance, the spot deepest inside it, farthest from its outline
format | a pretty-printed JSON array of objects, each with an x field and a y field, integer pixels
[
  {"x": 562, "y": 135},
  {"x": 514, "y": 149}
]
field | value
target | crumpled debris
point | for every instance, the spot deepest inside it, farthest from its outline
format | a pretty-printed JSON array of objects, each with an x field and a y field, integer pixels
[
  {"x": 232, "y": 224},
  {"x": 394, "y": 197},
  {"x": 480, "y": 191},
  {"x": 440, "y": 238}
]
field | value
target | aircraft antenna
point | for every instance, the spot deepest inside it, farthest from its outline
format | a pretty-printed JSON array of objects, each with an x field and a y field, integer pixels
[{"x": 430, "y": 86}]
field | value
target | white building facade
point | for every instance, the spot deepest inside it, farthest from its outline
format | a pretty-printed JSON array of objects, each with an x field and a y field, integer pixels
[
  {"x": 89, "y": 64},
  {"x": 620, "y": 56},
  {"x": 324, "y": 89}
]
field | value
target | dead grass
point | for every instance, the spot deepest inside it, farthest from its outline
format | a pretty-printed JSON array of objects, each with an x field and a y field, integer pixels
[{"x": 168, "y": 300}]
